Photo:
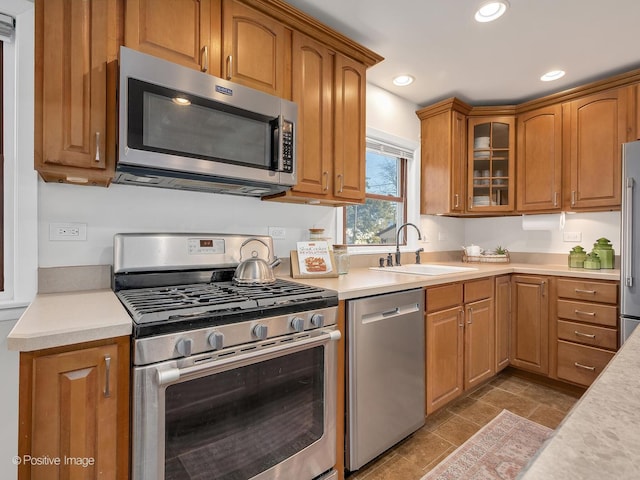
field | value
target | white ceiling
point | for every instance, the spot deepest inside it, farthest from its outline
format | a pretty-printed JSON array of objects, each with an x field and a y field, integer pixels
[{"x": 450, "y": 54}]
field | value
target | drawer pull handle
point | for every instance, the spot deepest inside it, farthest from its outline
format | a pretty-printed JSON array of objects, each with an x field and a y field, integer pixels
[
  {"x": 580, "y": 334},
  {"x": 580, "y": 312},
  {"x": 586, "y": 367},
  {"x": 592, "y": 292},
  {"x": 107, "y": 364}
]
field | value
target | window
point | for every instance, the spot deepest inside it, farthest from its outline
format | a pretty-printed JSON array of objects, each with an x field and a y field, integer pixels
[
  {"x": 19, "y": 182},
  {"x": 375, "y": 222}
]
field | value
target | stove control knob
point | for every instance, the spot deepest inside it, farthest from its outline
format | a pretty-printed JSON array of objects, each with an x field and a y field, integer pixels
[
  {"x": 317, "y": 320},
  {"x": 216, "y": 340},
  {"x": 297, "y": 324},
  {"x": 184, "y": 346},
  {"x": 260, "y": 331}
]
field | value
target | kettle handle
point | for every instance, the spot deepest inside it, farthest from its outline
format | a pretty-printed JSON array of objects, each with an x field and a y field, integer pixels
[{"x": 254, "y": 254}]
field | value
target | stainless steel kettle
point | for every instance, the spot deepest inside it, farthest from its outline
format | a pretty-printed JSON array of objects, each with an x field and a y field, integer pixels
[{"x": 255, "y": 270}]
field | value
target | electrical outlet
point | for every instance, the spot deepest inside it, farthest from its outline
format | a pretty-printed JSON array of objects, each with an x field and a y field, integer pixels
[
  {"x": 67, "y": 231},
  {"x": 278, "y": 233},
  {"x": 572, "y": 236},
  {"x": 442, "y": 236}
]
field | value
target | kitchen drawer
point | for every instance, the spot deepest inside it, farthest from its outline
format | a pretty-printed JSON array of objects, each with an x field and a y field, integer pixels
[
  {"x": 478, "y": 290},
  {"x": 590, "y": 291},
  {"x": 446, "y": 296},
  {"x": 588, "y": 312},
  {"x": 588, "y": 334},
  {"x": 579, "y": 363}
]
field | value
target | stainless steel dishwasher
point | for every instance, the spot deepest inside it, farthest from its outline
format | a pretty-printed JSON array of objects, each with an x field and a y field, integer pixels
[{"x": 385, "y": 373}]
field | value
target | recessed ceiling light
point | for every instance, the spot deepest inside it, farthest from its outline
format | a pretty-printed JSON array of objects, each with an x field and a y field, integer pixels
[
  {"x": 552, "y": 75},
  {"x": 490, "y": 11},
  {"x": 403, "y": 80}
]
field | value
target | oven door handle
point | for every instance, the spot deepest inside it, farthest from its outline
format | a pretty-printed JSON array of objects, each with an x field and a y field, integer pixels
[{"x": 172, "y": 375}]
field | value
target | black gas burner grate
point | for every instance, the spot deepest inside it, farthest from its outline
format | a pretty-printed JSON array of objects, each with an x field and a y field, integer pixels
[{"x": 168, "y": 302}]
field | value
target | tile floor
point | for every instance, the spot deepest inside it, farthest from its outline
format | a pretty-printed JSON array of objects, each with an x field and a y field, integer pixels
[{"x": 451, "y": 426}]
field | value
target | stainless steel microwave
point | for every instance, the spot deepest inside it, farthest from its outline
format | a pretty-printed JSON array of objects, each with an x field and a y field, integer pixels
[{"x": 184, "y": 129}]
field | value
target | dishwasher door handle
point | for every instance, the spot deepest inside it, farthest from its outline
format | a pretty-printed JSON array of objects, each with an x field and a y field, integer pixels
[{"x": 390, "y": 313}]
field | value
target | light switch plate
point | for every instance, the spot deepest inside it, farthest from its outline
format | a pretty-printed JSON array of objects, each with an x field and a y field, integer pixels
[
  {"x": 278, "y": 233},
  {"x": 572, "y": 236}
]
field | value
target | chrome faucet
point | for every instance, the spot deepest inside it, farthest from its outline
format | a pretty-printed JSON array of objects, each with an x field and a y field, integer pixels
[{"x": 398, "y": 239}]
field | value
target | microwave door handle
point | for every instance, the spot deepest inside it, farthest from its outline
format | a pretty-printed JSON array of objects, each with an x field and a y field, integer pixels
[{"x": 279, "y": 139}]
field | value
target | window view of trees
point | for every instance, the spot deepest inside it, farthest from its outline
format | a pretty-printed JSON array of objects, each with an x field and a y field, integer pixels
[{"x": 374, "y": 223}]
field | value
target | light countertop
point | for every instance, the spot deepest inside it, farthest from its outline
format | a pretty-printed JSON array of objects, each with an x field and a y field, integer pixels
[
  {"x": 600, "y": 436},
  {"x": 57, "y": 319},
  {"x": 362, "y": 282}
]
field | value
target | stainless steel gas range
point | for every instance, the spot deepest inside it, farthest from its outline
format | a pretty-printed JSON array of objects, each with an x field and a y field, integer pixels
[{"x": 229, "y": 381}]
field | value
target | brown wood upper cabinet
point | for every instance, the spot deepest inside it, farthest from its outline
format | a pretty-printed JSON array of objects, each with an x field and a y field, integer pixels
[
  {"x": 329, "y": 89},
  {"x": 596, "y": 127},
  {"x": 222, "y": 37},
  {"x": 539, "y": 160},
  {"x": 76, "y": 47},
  {"x": 256, "y": 49},
  {"x": 443, "y": 128},
  {"x": 491, "y": 164},
  {"x": 181, "y": 31}
]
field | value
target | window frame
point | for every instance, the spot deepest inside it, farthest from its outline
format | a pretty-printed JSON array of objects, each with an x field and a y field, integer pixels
[
  {"x": 20, "y": 186},
  {"x": 403, "y": 198}
]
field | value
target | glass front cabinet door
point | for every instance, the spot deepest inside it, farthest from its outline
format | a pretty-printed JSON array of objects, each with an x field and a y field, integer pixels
[{"x": 491, "y": 164}]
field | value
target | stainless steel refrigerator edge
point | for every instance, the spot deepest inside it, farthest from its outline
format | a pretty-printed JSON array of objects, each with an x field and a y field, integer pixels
[
  {"x": 385, "y": 373},
  {"x": 630, "y": 241}
]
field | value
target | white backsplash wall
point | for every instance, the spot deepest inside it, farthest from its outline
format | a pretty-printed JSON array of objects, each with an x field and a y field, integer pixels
[
  {"x": 442, "y": 233},
  {"x": 125, "y": 208},
  {"x": 508, "y": 233}
]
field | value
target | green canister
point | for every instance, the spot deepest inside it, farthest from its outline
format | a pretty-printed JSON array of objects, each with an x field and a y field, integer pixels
[
  {"x": 592, "y": 262},
  {"x": 577, "y": 256},
  {"x": 605, "y": 252}
]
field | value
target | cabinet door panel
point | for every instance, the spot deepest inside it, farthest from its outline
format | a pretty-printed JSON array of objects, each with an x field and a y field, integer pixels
[
  {"x": 77, "y": 418},
  {"x": 74, "y": 87},
  {"x": 539, "y": 160},
  {"x": 257, "y": 50},
  {"x": 445, "y": 348},
  {"x": 503, "y": 322},
  {"x": 147, "y": 27},
  {"x": 479, "y": 343},
  {"x": 350, "y": 121},
  {"x": 530, "y": 324},
  {"x": 312, "y": 91},
  {"x": 597, "y": 130},
  {"x": 491, "y": 164}
]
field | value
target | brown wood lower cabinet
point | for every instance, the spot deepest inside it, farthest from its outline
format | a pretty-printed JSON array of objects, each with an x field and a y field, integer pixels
[
  {"x": 460, "y": 339},
  {"x": 587, "y": 328},
  {"x": 530, "y": 323},
  {"x": 74, "y": 411},
  {"x": 502, "y": 305},
  {"x": 580, "y": 363}
]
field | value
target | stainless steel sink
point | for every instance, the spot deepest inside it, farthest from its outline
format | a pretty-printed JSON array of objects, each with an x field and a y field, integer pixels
[{"x": 425, "y": 269}]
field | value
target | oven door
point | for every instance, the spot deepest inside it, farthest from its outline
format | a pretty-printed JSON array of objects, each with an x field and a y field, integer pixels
[{"x": 263, "y": 411}]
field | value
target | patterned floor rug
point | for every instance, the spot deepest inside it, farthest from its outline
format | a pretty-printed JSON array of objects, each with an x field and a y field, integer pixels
[{"x": 497, "y": 451}]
